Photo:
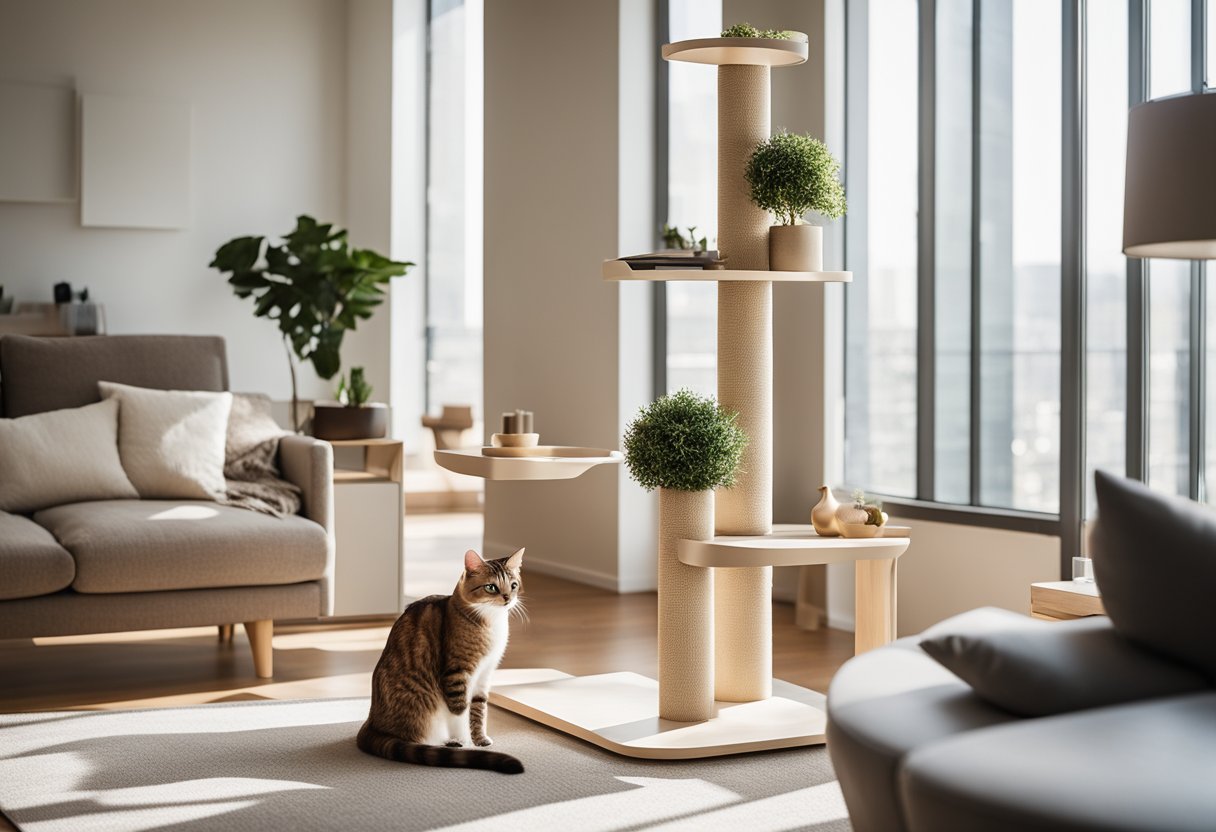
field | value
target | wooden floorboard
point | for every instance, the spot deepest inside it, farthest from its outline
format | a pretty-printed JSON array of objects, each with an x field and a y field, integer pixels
[{"x": 575, "y": 628}]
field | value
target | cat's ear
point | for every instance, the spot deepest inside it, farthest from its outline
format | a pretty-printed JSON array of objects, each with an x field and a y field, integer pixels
[
  {"x": 516, "y": 560},
  {"x": 472, "y": 561}
]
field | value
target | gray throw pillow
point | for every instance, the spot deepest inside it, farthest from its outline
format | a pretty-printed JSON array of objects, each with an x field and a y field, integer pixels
[
  {"x": 1155, "y": 564},
  {"x": 1040, "y": 668}
]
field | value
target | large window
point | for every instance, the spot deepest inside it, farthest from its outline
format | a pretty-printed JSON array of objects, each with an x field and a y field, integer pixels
[
  {"x": 454, "y": 206},
  {"x": 692, "y": 198},
  {"x": 880, "y": 359},
  {"x": 985, "y": 237}
]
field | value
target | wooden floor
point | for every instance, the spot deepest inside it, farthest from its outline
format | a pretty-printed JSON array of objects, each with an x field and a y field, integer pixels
[{"x": 572, "y": 627}]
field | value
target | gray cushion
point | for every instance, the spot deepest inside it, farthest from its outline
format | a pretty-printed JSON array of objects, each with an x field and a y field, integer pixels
[
  {"x": 145, "y": 545},
  {"x": 42, "y": 374},
  {"x": 881, "y": 705},
  {"x": 1155, "y": 563},
  {"x": 1038, "y": 668},
  {"x": 31, "y": 562},
  {"x": 1148, "y": 765}
]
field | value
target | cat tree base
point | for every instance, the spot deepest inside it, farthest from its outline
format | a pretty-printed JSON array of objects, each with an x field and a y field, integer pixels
[{"x": 619, "y": 712}]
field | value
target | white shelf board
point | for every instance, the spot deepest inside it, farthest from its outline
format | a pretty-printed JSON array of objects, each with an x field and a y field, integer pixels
[
  {"x": 620, "y": 712},
  {"x": 788, "y": 545},
  {"x": 752, "y": 51},
  {"x": 620, "y": 270},
  {"x": 575, "y": 461}
]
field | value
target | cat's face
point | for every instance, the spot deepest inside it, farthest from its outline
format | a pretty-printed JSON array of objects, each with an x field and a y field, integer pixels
[{"x": 492, "y": 586}]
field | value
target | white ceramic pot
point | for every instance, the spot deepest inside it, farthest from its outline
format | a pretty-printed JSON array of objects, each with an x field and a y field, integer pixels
[
  {"x": 795, "y": 248},
  {"x": 823, "y": 515}
]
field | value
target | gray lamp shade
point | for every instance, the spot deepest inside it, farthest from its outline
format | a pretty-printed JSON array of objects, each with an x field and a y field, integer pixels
[{"x": 1169, "y": 204}]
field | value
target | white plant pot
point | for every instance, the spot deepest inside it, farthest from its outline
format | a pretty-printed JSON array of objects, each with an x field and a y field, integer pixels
[{"x": 795, "y": 248}]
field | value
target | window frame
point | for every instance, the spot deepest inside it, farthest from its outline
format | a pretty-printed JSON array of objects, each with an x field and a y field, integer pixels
[{"x": 1068, "y": 523}]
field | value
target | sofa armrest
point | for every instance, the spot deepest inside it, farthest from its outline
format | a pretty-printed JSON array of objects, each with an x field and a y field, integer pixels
[{"x": 308, "y": 464}]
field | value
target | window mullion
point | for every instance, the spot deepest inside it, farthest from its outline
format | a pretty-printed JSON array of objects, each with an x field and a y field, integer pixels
[
  {"x": 974, "y": 442},
  {"x": 926, "y": 328},
  {"x": 1198, "y": 380}
]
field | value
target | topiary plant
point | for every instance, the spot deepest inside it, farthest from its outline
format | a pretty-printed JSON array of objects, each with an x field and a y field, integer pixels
[
  {"x": 314, "y": 285},
  {"x": 746, "y": 30},
  {"x": 684, "y": 442},
  {"x": 791, "y": 174}
]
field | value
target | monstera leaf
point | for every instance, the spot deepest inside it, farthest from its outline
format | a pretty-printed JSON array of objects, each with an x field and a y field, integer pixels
[{"x": 313, "y": 284}]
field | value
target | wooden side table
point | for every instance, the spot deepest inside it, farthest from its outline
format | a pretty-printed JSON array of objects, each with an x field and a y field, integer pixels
[
  {"x": 369, "y": 508},
  {"x": 1065, "y": 600}
]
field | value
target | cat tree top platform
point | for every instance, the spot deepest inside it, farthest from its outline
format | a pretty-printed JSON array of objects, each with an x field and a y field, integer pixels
[
  {"x": 788, "y": 545},
  {"x": 751, "y": 51},
  {"x": 571, "y": 462},
  {"x": 621, "y": 270}
]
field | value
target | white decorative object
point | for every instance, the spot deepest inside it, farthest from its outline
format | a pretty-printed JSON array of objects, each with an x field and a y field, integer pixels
[
  {"x": 62, "y": 456},
  {"x": 37, "y": 143},
  {"x": 134, "y": 162},
  {"x": 514, "y": 440},
  {"x": 171, "y": 442},
  {"x": 795, "y": 248}
]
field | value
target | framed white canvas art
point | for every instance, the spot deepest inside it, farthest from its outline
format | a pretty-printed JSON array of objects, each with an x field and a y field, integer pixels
[
  {"x": 37, "y": 143},
  {"x": 134, "y": 162}
]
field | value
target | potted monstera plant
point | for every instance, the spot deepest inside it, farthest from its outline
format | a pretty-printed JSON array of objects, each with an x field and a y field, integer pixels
[
  {"x": 316, "y": 288},
  {"x": 790, "y": 175},
  {"x": 685, "y": 446}
]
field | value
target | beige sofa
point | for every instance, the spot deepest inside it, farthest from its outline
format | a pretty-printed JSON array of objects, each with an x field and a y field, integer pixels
[{"x": 120, "y": 565}]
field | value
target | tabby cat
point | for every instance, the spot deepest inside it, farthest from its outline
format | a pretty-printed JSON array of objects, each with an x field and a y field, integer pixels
[{"x": 430, "y": 686}]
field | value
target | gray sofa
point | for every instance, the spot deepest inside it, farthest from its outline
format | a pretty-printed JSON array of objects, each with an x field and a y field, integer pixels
[
  {"x": 1097, "y": 724},
  {"x": 120, "y": 565}
]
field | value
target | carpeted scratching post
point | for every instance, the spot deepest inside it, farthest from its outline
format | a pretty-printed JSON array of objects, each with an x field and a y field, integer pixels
[
  {"x": 686, "y": 628},
  {"x": 743, "y": 597}
]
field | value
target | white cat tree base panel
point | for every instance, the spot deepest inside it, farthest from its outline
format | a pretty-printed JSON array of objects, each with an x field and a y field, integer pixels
[{"x": 746, "y": 709}]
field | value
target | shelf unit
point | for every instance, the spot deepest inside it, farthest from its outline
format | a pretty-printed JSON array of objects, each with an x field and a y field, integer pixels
[
  {"x": 786, "y": 545},
  {"x": 369, "y": 552}
]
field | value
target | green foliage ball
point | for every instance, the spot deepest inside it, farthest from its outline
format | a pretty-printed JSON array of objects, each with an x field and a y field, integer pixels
[
  {"x": 684, "y": 442},
  {"x": 791, "y": 174},
  {"x": 746, "y": 30}
]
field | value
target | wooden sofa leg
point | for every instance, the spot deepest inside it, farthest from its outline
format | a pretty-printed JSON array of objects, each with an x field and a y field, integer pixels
[{"x": 261, "y": 637}]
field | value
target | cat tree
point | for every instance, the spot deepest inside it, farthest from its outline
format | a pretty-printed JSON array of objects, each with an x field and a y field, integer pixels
[{"x": 747, "y": 710}]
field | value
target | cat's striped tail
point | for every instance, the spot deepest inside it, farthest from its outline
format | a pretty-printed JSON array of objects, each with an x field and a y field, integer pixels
[{"x": 379, "y": 744}]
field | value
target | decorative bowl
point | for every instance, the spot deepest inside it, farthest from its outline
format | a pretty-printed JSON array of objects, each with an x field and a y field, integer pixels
[
  {"x": 857, "y": 530},
  {"x": 514, "y": 440}
]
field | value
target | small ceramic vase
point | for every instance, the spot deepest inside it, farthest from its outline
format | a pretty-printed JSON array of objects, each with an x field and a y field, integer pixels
[{"x": 823, "y": 515}]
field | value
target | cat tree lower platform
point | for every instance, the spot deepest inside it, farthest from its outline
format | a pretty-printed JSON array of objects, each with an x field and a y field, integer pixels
[{"x": 620, "y": 711}]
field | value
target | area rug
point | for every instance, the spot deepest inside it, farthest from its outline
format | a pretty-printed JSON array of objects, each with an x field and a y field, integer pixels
[{"x": 294, "y": 766}]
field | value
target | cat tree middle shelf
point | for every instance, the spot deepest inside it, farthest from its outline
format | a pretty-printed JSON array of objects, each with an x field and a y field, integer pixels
[
  {"x": 621, "y": 270},
  {"x": 567, "y": 463},
  {"x": 787, "y": 545}
]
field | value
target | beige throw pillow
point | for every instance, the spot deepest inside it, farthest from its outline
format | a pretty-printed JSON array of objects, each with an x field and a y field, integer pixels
[
  {"x": 62, "y": 456},
  {"x": 172, "y": 441}
]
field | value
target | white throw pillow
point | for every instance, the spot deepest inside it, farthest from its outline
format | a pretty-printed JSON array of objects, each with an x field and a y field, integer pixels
[
  {"x": 61, "y": 456},
  {"x": 172, "y": 441}
]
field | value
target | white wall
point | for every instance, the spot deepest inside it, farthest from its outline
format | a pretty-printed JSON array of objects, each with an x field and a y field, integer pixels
[
  {"x": 557, "y": 337},
  {"x": 267, "y": 84}
]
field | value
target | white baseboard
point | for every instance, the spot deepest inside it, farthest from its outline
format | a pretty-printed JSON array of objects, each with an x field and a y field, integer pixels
[
  {"x": 842, "y": 622},
  {"x": 591, "y": 577}
]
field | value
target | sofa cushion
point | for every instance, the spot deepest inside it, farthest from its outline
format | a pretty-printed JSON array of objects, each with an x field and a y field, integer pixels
[
  {"x": 172, "y": 441},
  {"x": 1155, "y": 563},
  {"x": 43, "y": 374},
  {"x": 881, "y": 705},
  {"x": 1040, "y": 668},
  {"x": 1148, "y": 765},
  {"x": 31, "y": 562},
  {"x": 64, "y": 456},
  {"x": 147, "y": 545}
]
